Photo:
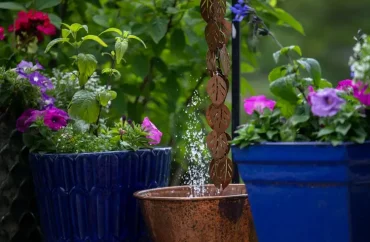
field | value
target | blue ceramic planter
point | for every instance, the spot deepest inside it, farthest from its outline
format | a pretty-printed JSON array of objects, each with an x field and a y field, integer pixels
[
  {"x": 308, "y": 192},
  {"x": 89, "y": 197}
]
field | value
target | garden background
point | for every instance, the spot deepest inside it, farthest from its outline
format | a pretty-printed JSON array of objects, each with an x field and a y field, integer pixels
[{"x": 160, "y": 81}]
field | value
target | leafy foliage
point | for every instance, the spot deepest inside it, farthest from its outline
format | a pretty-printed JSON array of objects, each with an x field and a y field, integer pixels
[{"x": 308, "y": 109}]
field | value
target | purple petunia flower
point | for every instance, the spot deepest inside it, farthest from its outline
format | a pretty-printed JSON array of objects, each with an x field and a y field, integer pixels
[
  {"x": 325, "y": 102},
  {"x": 55, "y": 118},
  {"x": 27, "y": 118},
  {"x": 241, "y": 10},
  {"x": 25, "y": 67},
  {"x": 47, "y": 101},
  {"x": 36, "y": 78}
]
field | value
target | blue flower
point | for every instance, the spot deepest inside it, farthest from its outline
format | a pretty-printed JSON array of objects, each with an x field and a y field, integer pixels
[{"x": 241, "y": 10}]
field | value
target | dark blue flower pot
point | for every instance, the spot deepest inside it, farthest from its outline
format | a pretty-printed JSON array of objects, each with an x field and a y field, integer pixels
[
  {"x": 308, "y": 192},
  {"x": 89, "y": 197}
]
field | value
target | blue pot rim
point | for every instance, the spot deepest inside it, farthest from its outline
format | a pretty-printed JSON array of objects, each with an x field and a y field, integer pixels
[
  {"x": 101, "y": 153},
  {"x": 309, "y": 143}
]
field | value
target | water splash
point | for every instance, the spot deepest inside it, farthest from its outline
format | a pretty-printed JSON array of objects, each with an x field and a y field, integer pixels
[{"x": 196, "y": 152}]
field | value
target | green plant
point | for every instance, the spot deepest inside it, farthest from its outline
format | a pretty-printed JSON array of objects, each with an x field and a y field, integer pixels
[{"x": 307, "y": 107}]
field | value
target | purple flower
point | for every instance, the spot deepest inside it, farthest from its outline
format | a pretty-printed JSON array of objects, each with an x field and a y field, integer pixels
[
  {"x": 27, "y": 118},
  {"x": 39, "y": 80},
  {"x": 258, "y": 103},
  {"x": 55, "y": 118},
  {"x": 47, "y": 101},
  {"x": 25, "y": 67},
  {"x": 241, "y": 10},
  {"x": 155, "y": 135},
  {"x": 326, "y": 103}
]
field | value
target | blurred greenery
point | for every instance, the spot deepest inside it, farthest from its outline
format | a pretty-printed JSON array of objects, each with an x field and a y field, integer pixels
[{"x": 159, "y": 81}]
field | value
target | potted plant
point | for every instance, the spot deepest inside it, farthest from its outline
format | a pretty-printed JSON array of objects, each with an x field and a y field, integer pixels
[
  {"x": 86, "y": 168},
  {"x": 18, "y": 216},
  {"x": 303, "y": 156}
]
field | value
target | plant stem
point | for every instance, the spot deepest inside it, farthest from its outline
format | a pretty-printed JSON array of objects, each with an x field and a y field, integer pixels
[{"x": 287, "y": 55}]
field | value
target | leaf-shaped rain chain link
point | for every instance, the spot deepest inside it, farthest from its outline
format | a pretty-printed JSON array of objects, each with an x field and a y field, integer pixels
[{"x": 217, "y": 34}]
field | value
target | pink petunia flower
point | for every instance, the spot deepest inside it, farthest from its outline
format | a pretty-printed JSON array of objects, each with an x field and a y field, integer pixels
[
  {"x": 258, "y": 103},
  {"x": 155, "y": 135},
  {"x": 27, "y": 118},
  {"x": 2, "y": 36},
  {"x": 55, "y": 118}
]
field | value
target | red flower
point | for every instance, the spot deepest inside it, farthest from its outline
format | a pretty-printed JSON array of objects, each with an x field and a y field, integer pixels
[
  {"x": 34, "y": 23},
  {"x": 2, "y": 36}
]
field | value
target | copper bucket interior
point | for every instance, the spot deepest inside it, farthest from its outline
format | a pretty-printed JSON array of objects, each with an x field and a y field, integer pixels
[{"x": 175, "y": 214}]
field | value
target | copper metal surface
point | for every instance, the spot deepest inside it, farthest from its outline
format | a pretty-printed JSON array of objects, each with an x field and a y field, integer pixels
[
  {"x": 217, "y": 33},
  {"x": 173, "y": 214}
]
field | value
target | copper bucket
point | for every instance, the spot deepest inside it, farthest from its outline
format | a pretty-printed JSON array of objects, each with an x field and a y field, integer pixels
[{"x": 174, "y": 214}]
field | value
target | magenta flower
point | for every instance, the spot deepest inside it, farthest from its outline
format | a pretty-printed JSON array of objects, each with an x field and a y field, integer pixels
[
  {"x": 2, "y": 36},
  {"x": 55, "y": 118},
  {"x": 311, "y": 91},
  {"x": 27, "y": 118},
  {"x": 155, "y": 135},
  {"x": 362, "y": 95},
  {"x": 349, "y": 86},
  {"x": 258, "y": 103},
  {"x": 326, "y": 103}
]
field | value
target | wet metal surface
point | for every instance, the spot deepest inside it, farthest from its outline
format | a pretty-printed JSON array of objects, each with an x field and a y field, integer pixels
[{"x": 174, "y": 215}]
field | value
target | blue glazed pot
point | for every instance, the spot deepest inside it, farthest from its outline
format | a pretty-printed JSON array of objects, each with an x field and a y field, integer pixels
[
  {"x": 89, "y": 197},
  {"x": 308, "y": 192}
]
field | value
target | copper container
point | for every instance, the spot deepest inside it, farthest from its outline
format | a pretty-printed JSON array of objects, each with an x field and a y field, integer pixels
[{"x": 174, "y": 214}]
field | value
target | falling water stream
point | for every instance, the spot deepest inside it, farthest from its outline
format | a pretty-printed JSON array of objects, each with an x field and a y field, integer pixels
[{"x": 196, "y": 151}]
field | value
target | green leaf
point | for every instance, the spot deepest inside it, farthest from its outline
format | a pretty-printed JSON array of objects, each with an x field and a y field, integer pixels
[
  {"x": 277, "y": 73},
  {"x": 158, "y": 28},
  {"x": 137, "y": 38},
  {"x": 76, "y": 27},
  {"x": 54, "y": 42},
  {"x": 273, "y": 2},
  {"x": 313, "y": 68},
  {"x": 325, "y": 131},
  {"x": 120, "y": 48},
  {"x": 283, "y": 88},
  {"x": 84, "y": 106},
  {"x": 301, "y": 115},
  {"x": 324, "y": 84},
  {"x": 55, "y": 20},
  {"x": 106, "y": 96},
  {"x": 96, "y": 39},
  {"x": 285, "y": 51},
  {"x": 43, "y": 4},
  {"x": 101, "y": 20},
  {"x": 66, "y": 33},
  {"x": 172, "y": 10},
  {"x": 178, "y": 41},
  {"x": 111, "y": 71},
  {"x": 12, "y": 6},
  {"x": 246, "y": 68},
  {"x": 343, "y": 129},
  {"x": 288, "y": 19},
  {"x": 86, "y": 66},
  {"x": 112, "y": 30},
  {"x": 286, "y": 108}
]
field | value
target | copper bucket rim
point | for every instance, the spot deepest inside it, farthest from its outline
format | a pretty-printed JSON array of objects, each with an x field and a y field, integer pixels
[{"x": 141, "y": 194}]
